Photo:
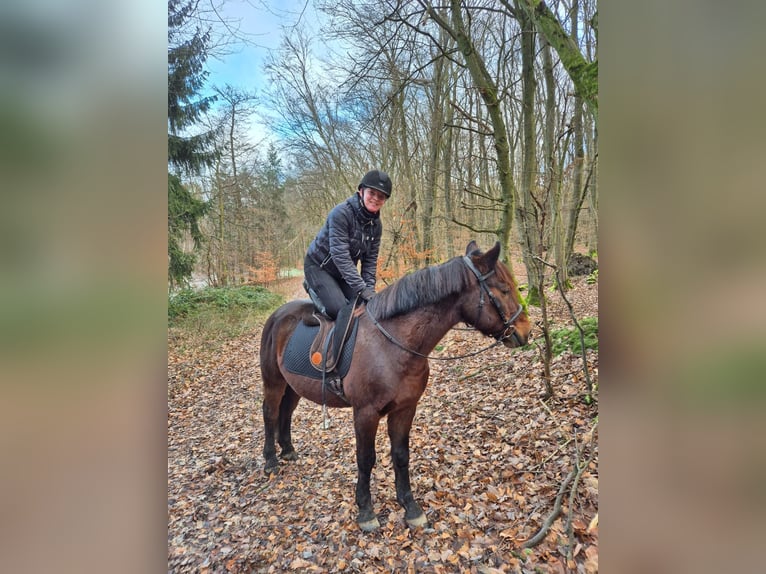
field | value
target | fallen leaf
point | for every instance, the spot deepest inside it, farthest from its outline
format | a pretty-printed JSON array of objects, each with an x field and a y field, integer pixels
[
  {"x": 474, "y": 466},
  {"x": 593, "y": 526},
  {"x": 300, "y": 563}
]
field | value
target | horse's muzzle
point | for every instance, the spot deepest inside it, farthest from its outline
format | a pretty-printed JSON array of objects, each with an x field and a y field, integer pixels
[{"x": 515, "y": 339}]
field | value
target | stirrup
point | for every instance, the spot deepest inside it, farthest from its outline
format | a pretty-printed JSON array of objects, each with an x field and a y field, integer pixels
[{"x": 335, "y": 386}]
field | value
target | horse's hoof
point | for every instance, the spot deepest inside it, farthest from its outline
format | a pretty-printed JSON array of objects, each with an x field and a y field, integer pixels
[
  {"x": 418, "y": 521},
  {"x": 370, "y": 525},
  {"x": 292, "y": 455},
  {"x": 271, "y": 469}
]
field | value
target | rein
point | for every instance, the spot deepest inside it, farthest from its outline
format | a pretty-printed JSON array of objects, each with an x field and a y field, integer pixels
[
  {"x": 499, "y": 337},
  {"x": 393, "y": 339}
]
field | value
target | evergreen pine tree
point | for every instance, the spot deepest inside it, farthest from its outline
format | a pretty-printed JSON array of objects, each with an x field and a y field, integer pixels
[
  {"x": 187, "y": 154},
  {"x": 272, "y": 200}
]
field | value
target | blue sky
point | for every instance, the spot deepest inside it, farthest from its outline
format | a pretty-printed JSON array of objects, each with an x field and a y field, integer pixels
[
  {"x": 263, "y": 29},
  {"x": 262, "y": 22}
]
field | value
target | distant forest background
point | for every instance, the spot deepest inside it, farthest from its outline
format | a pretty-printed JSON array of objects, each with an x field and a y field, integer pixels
[{"x": 484, "y": 114}]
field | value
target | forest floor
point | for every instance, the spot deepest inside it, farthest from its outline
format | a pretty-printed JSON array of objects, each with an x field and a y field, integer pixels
[{"x": 489, "y": 455}]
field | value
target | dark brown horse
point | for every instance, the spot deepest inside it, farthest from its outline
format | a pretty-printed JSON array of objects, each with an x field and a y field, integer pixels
[{"x": 389, "y": 370}]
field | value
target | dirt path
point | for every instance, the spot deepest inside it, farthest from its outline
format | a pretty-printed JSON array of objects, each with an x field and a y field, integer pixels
[
  {"x": 291, "y": 288},
  {"x": 487, "y": 459}
]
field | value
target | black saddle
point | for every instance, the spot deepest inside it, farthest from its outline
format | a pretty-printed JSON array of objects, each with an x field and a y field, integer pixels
[
  {"x": 327, "y": 346},
  {"x": 323, "y": 348}
]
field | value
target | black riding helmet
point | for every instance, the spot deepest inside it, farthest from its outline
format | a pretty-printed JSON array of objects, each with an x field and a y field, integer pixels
[{"x": 377, "y": 179}]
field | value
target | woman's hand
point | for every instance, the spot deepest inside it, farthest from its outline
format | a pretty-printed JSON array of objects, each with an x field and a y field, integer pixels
[{"x": 367, "y": 293}]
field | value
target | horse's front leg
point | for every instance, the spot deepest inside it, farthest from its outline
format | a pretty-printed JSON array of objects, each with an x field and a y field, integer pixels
[
  {"x": 399, "y": 425},
  {"x": 366, "y": 421}
]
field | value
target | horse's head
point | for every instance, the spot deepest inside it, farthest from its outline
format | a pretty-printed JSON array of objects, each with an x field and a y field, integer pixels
[{"x": 495, "y": 308}]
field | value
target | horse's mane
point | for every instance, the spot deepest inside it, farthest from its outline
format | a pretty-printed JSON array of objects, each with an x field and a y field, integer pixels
[{"x": 423, "y": 287}]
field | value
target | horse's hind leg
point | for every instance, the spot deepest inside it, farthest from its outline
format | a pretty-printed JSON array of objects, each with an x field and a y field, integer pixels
[
  {"x": 286, "y": 407},
  {"x": 272, "y": 397},
  {"x": 276, "y": 393},
  {"x": 399, "y": 425}
]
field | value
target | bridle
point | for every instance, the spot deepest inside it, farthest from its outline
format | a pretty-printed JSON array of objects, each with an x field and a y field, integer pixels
[{"x": 508, "y": 330}]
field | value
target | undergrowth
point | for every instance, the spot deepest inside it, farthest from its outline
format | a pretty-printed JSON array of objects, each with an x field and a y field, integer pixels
[
  {"x": 569, "y": 339},
  {"x": 218, "y": 313}
]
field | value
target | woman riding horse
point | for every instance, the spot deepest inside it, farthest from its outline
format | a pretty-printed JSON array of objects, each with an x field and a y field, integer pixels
[{"x": 389, "y": 370}]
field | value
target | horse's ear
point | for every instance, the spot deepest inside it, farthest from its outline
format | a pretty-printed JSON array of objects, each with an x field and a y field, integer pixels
[
  {"x": 471, "y": 247},
  {"x": 490, "y": 257}
]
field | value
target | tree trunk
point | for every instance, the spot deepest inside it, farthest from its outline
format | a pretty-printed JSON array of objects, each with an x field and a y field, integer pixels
[
  {"x": 223, "y": 271},
  {"x": 407, "y": 187},
  {"x": 447, "y": 169},
  {"x": 578, "y": 189},
  {"x": 530, "y": 216},
  {"x": 556, "y": 234},
  {"x": 584, "y": 74},
  {"x": 487, "y": 88},
  {"x": 435, "y": 150}
]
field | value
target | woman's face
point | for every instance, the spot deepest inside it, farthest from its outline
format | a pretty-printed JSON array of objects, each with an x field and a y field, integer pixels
[{"x": 373, "y": 199}]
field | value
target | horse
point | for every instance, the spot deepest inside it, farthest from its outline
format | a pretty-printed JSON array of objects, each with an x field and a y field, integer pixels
[{"x": 389, "y": 367}]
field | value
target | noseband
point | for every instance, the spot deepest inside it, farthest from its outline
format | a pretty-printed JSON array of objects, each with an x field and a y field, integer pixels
[{"x": 508, "y": 327}]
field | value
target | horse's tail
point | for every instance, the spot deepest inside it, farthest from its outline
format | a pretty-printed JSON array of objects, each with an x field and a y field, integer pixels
[
  {"x": 268, "y": 350},
  {"x": 265, "y": 337}
]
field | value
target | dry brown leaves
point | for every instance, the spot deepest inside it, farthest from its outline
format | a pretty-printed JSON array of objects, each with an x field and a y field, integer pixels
[{"x": 487, "y": 459}]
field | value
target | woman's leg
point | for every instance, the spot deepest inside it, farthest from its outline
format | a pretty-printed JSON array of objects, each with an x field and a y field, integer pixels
[{"x": 327, "y": 288}]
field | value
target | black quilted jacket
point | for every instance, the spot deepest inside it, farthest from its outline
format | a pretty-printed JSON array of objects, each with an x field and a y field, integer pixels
[{"x": 350, "y": 234}]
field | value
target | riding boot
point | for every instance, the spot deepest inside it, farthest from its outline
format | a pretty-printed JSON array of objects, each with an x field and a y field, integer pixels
[
  {"x": 318, "y": 305},
  {"x": 340, "y": 333},
  {"x": 312, "y": 320}
]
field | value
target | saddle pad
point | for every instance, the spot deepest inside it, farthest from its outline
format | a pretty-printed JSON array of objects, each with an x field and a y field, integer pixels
[{"x": 296, "y": 358}]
